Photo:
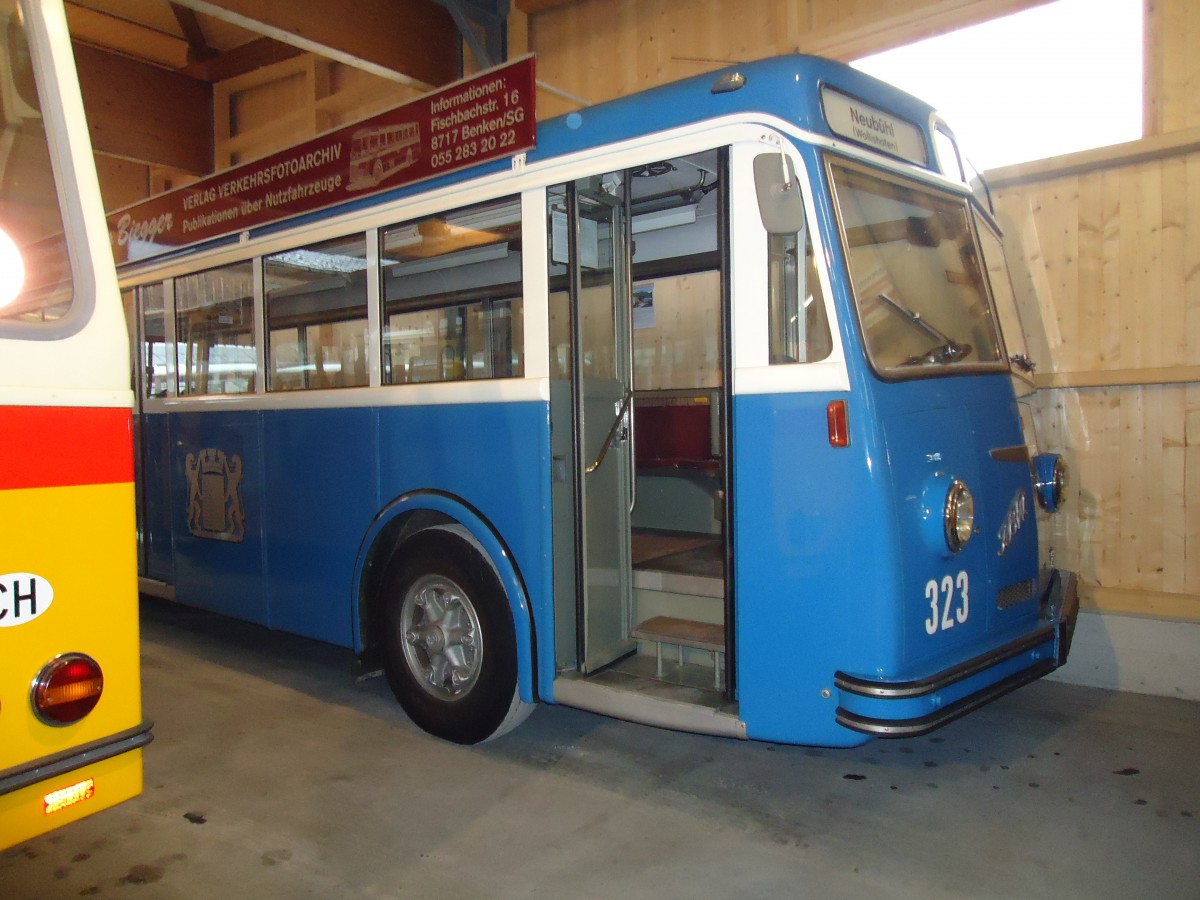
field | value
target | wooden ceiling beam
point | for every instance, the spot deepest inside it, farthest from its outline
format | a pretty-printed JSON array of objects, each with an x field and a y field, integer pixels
[
  {"x": 240, "y": 60},
  {"x": 122, "y": 36},
  {"x": 140, "y": 112},
  {"x": 414, "y": 41},
  {"x": 529, "y": 7},
  {"x": 189, "y": 24}
]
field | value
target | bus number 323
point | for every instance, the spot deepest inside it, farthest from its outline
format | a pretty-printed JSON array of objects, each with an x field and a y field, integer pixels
[{"x": 943, "y": 610}]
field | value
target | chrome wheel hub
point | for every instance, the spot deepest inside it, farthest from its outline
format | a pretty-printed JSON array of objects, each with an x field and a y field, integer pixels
[{"x": 442, "y": 639}]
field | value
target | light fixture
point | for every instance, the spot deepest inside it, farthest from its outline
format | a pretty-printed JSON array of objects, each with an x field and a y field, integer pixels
[
  {"x": 66, "y": 689},
  {"x": 1051, "y": 480},
  {"x": 664, "y": 218},
  {"x": 486, "y": 217},
  {"x": 317, "y": 261},
  {"x": 487, "y": 253},
  {"x": 12, "y": 270},
  {"x": 959, "y": 515}
]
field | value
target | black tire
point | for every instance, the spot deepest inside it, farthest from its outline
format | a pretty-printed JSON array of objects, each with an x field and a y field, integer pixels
[{"x": 440, "y": 569}]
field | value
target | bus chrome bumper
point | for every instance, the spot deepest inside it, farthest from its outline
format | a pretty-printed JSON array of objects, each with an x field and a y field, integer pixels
[{"x": 910, "y": 708}]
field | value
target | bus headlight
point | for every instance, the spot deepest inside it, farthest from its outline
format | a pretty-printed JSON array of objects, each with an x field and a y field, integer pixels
[
  {"x": 67, "y": 689},
  {"x": 958, "y": 515},
  {"x": 1050, "y": 472}
]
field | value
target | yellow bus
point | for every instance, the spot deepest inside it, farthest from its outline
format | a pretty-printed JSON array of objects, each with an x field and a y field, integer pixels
[{"x": 71, "y": 728}]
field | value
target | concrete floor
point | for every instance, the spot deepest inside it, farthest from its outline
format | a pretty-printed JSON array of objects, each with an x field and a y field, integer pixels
[{"x": 274, "y": 776}]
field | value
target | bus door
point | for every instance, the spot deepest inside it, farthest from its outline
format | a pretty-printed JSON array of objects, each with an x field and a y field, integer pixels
[
  {"x": 638, "y": 415},
  {"x": 589, "y": 265},
  {"x": 148, "y": 323}
]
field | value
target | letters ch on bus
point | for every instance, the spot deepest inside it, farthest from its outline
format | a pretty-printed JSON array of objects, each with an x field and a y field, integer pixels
[
  {"x": 23, "y": 597},
  {"x": 214, "y": 496}
]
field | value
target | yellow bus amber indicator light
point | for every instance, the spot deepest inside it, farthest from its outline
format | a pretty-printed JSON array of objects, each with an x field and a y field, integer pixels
[{"x": 64, "y": 798}]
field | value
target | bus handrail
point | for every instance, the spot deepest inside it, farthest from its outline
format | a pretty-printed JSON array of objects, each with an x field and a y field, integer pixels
[{"x": 612, "y": 432}]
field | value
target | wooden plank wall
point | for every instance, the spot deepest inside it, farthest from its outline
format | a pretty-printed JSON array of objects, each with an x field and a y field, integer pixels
[
  {"x": 592, "y": 49},
  {"x": 1109, "y": 279},
  {"x": 600, "y": 49},
  {"x": 263, "y": 111},
  {"x": 280, "y": 105},
  {"x": 1111, "y": 266},
  {"x": 1172, "y": 101}
]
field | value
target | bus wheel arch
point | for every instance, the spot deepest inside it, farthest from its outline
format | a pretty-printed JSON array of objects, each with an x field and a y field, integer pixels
[{"x": 429, "y": 551}]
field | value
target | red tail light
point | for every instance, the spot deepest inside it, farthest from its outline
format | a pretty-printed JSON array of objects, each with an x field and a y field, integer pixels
[
  {"x": 67, "y": 689},
  {"x": 839, "y": 430}
]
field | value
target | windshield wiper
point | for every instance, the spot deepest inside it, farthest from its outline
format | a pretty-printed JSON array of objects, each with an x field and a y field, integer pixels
[{"x": 948, "y": 350}]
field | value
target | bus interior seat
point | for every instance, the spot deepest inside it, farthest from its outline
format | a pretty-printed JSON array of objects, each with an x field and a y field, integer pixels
[
  {"x": 675, "y": 435},
  {"x": 678, "y": 464}
]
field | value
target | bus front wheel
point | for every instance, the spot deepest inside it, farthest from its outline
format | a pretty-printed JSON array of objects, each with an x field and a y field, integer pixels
[{"x": 449, "y": 643}]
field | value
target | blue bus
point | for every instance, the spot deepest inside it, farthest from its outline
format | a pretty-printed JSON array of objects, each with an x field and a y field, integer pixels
[{"x": 705, "y": 413}]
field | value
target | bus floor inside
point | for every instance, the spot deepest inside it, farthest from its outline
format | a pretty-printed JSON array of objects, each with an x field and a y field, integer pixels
[
  {"x": 688, "y": 683},
  {"x": 678, "y": 617},
  {"x": 677, "y": 552}
]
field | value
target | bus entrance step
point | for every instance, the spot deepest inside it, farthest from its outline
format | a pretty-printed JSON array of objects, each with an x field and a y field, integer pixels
[{"x": 684, "y": 633}]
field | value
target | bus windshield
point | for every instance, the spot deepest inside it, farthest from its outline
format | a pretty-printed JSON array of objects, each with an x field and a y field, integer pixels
[
  {"x": 1005, "y": 299},
  {"x": 918, "y": 283}
]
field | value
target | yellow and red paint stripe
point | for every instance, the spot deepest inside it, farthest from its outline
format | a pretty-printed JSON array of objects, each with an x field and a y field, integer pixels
[
  {"x": 64, "y": 446},
  {"x": 67, "y": 516}
]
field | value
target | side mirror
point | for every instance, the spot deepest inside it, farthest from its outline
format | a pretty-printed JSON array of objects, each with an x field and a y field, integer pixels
[{"x": 779, "y": 202}]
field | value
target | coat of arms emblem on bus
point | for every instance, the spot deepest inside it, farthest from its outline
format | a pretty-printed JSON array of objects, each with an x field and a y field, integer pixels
[{"x": 214, "y": 496}]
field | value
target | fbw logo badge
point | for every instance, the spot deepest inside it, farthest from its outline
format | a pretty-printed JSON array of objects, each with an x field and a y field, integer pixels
[{"x": 214, "y": 495}]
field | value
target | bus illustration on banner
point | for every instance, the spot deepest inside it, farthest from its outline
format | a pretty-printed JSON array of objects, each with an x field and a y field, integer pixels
[{"x": 379, "y": 152}]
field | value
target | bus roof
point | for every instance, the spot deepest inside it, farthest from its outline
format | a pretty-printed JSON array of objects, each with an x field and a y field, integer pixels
[{"x": 786, "y": 87}]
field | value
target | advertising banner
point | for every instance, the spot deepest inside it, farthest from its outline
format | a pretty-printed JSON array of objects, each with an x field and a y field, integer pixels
[{"x": 488, "y": 116}]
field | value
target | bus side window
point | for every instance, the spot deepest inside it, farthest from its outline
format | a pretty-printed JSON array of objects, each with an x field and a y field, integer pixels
[
  {"x": 797, "y": 324},
  {"x": 214, "y": 331},
  {"x": 316, "y": 304},
  {"x": 153, "y": 352},
  {"x": 451, "y": 288}
]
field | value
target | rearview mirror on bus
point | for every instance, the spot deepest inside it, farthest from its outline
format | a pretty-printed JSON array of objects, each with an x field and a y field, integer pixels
[{"x": 779, "y": 202}]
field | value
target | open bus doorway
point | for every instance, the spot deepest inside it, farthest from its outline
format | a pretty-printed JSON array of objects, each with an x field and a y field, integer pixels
[{"x": 638, "y": 416}]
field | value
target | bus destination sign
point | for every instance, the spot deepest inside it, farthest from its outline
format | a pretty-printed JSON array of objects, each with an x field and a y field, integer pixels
[
  {"x": 873, "y": 127},
  {"x": 486, "y": 117}
]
